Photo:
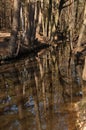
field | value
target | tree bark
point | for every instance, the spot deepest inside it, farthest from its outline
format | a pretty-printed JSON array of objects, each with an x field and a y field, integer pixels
[
  {"x": 71, "y": 13},
  {"x": 39, "y": 20},
  {"x": 83, "y": 28},
  {"x": 49, "y": 18},
  {"x": 84, "y": 71},
  {"x": 15, "y": 27}
]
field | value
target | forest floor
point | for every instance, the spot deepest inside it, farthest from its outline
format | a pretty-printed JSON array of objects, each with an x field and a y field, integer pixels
[{"x": 41, "y": 43}]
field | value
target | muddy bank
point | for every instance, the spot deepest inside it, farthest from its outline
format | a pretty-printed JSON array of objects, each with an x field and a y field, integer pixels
[{"x": 36, "y": 48}]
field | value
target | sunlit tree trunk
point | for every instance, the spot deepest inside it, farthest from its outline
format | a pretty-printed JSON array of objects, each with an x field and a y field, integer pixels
[
  {"x": 22, "y": 20},
  {"x": 49, "y": 19},
  {"x": 84, "y": 71},
  {"x": 43, "y": 18},
  {"x": 71, "y": 22},
  {"x": 27, "y": 24},
  {"x": 35, "y": 20},
  {"x": 83, "y": 28},
  {"x": 76, "y": 13},
  {"x": 15, "y": 27},
  {"x": 39, "y": 19}
]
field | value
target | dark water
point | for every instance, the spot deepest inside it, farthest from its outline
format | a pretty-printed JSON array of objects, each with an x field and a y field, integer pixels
[{"x": 42, "y": 93}]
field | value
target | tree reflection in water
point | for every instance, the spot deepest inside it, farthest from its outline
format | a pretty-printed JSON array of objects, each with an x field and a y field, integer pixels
[{"x": 42, "y": 93}]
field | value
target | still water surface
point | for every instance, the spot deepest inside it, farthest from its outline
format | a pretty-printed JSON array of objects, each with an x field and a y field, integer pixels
[{"x": 36, "y": 95}]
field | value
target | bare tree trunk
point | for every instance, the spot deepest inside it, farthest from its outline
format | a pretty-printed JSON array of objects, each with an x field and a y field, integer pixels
[
  {"x": 76, "y": 13},
  {"x": 27, "y": 23},
  {"x": 71, "y": 22},
  {"x": 22, "y": 19},
  {"x": 83, "y": 28},
  {"x": 49, "y": 19},
  {"x": 39, "y": 21},
  {"x": 84, "y": 71},
  {"x": 15, "y": 27}
]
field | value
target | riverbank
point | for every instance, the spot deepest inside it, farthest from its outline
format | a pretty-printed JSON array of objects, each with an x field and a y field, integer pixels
[{"x": 40, "y": 43}]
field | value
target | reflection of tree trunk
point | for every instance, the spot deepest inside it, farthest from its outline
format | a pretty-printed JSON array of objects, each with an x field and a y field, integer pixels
[
  {"x": 50, "y": 116},
  {"x": 36, "y": 81},
  {"x": 19, "y": 93},
  {"x": 51, "y": 103},
  {"x": 43, "y": 85},
  {"x": 38, "y": 120},
  {"x": 50, "y": 98},
  {"x": 15, "y": 27},
  {"x": 24, "y": 126},
  {"x": 36, "y": 101},
  {"x": 19, "y": 97},
  {"x": 20, "y": 111}
]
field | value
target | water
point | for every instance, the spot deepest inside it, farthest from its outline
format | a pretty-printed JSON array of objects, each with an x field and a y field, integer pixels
[{"x": 41, "y": 93}]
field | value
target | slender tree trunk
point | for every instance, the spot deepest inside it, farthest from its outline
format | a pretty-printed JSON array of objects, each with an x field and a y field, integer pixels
[
  {"x": 39, "y": 21},
  {"x": 84, "y": 71},
  {"x": 71, "y": 22},
  {"x": 76, "y": 13},
  {"x": 49, "y": 19},
  {"x": 15, "y": 27},
  {"x": 27, "y": 23},
  {"x": 22, "y": 20},
  {"x": 82, "y": 28}
]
